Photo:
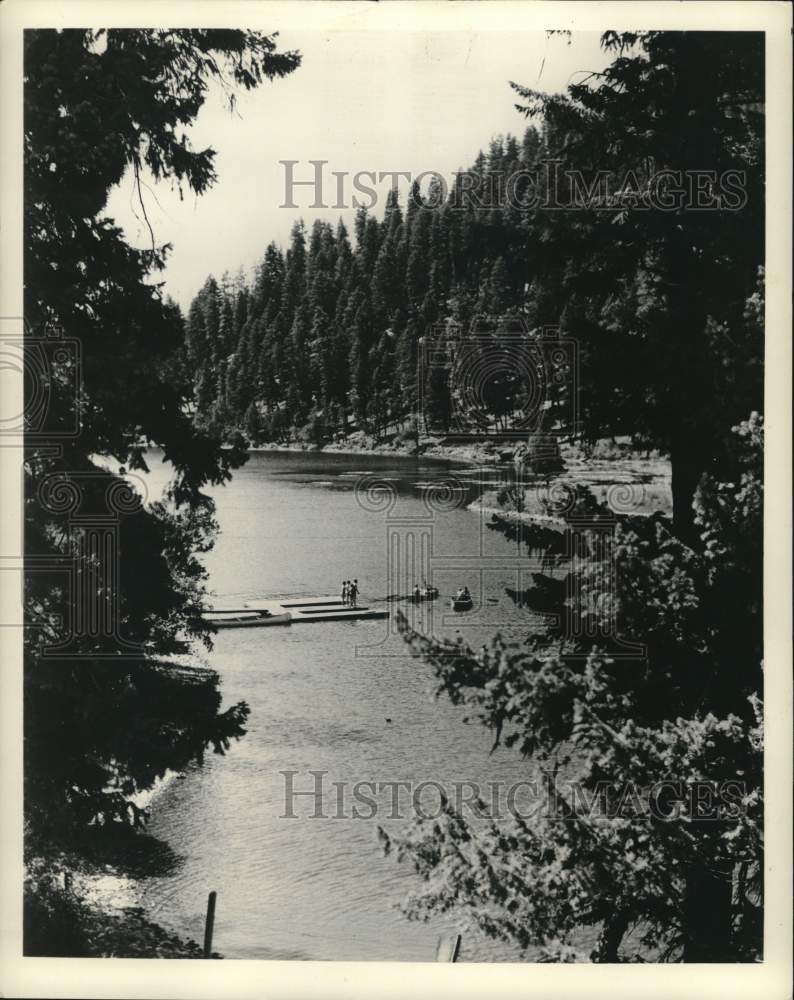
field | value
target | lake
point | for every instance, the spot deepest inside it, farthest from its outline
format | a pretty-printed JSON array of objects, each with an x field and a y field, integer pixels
[{"x": 341, "y": 698}]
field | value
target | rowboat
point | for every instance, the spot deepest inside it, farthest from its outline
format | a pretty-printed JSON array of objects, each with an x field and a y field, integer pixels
[
  {"x": 245, "y": 619},
  {"x": 462, "y": 603}
]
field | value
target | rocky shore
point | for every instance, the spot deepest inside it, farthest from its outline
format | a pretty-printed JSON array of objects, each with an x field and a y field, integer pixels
[
  {"x": 635, "y": 485},
  {"x": 359, "y": 443}
]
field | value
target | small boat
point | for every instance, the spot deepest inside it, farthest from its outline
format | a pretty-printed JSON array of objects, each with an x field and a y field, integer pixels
[
  {"x": 245, "y": 619},
  {"x": 465, "y": 603}
]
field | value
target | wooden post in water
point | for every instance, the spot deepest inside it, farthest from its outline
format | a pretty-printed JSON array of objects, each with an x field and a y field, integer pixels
[
  {"x": 210, "y": 924},
  {"x": 447, "y": 948}
]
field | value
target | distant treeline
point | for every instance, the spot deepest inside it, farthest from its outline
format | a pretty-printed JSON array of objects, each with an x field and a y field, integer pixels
[{"x": 327, "y": 337}]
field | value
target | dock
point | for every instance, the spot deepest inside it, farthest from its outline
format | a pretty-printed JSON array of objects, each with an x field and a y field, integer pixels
[{"x": 316, "y": 609}]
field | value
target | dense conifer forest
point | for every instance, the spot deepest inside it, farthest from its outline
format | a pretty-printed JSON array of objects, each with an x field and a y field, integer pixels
[{"x": 327, "y": 337}]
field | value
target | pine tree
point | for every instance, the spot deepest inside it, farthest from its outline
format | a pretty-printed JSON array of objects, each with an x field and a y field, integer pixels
[
  {"x": 417, "y": 278},
  {"x": 496, "y": 296},
  {"x": 252, "y": 424},
  {"x": 386, "y": 284},
  {"x": 226, "y": 330},
  {"x": 269, "y": 280},
  {"x": 344, "y": 254},
  {"x": 361, "y": 362},
  {"x": 295, "y": 269},
  {"x": 360, "y": 228},
  {"x": 646, "y": 281},
  {"x": 392, "y": 216},
  {"x": 196, "y": 344}
]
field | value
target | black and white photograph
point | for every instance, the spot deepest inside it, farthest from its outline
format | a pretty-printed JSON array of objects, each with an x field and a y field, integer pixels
[{"x": 388, "y": 399}]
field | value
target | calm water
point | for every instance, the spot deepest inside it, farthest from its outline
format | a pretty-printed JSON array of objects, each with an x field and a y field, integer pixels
[{"x": 320, "y": 695}]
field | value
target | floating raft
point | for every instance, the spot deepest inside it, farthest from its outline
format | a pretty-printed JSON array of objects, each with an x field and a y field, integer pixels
[
  {"x": 245, "y": 619},
  {"x": 316, "y": 609}
]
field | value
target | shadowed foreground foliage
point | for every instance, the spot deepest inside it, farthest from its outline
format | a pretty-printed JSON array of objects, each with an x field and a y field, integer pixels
[{"x": 102, "y": 723}]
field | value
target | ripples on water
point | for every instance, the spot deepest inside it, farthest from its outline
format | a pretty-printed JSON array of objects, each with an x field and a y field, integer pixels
[{"x": 309, "y": 888}]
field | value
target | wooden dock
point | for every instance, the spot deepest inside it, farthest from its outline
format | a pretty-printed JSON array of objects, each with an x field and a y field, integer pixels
[{"x": 316, "y": 609}]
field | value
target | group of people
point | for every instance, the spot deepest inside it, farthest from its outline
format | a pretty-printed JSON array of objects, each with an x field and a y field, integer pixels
[
  {"x": 423, "y": 591},
  {"x": 350, "y": 592},
  {"x": 463, "y": 594}
]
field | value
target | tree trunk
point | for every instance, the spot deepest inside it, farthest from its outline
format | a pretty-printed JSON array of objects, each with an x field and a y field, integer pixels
[
  {"x": 708, "y": 914},
  {"x": 609, "y": 940},
  {"x": 689, "y": 460}
]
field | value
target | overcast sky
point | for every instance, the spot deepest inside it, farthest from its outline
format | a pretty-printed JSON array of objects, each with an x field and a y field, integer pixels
[{"x": 363, "y": 101}]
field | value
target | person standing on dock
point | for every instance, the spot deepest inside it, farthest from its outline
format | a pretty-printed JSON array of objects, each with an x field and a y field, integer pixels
[
  {"x": 353, "y": 593},
  {"x": 345, "y": 591}
]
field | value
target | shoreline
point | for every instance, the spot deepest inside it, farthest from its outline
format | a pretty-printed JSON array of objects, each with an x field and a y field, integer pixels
[
  {"x": 476, "y": 453},
  {"x": 629, "y": 483},
  {"x": 78, "y": 909}
]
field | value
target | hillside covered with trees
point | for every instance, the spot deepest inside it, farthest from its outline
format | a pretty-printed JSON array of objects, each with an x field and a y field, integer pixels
[{"x": 327, "y": 336}]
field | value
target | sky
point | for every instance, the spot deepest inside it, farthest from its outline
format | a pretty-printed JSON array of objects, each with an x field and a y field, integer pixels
[{"x": 362, "y": 101}]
